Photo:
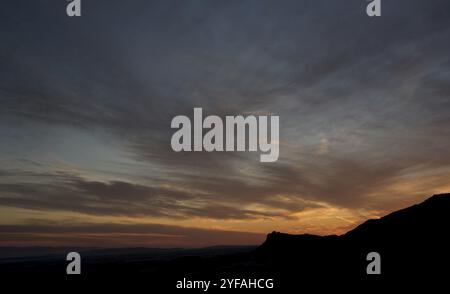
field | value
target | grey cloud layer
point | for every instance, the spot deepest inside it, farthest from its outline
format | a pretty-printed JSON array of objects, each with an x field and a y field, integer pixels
[
  {"x": 375, "y": 91},
  {"x": 65, "y": 192}
]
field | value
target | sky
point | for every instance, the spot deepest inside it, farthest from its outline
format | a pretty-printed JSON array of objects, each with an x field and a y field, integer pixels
[{"x": 87, "y": 102}]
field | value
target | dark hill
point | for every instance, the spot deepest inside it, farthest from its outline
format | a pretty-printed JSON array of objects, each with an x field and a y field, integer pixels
[
  {"x": 413, "y": 243},
  {"x": 427, "y": 219}
]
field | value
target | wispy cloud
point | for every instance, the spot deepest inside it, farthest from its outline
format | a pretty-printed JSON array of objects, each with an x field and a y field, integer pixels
[{"x": 363, "y": 105}]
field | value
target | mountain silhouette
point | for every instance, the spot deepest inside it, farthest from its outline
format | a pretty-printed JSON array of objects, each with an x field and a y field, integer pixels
[{"x": 413, "y": 245}]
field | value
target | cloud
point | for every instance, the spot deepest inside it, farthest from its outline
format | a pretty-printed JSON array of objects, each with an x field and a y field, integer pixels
[
  {"x": 122, "y": 235},
  {"x": 363, "y": 104},
  {"x": 65, "y": 192}
]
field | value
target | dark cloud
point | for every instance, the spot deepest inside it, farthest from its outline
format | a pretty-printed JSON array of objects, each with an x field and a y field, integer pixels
[
  {"x": 75, "y": 194},
  {"x": 362, "y": 101},
  {"x": 116, "y": 235}
]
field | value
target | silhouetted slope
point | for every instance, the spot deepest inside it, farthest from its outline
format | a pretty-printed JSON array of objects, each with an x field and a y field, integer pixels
[
  {"x": 429, "y": 218},
  {"x": 413, "y": 242}
]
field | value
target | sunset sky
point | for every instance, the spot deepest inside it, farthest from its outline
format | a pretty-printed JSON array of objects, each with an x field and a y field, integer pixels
[{"x": 86, "y": 105}]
